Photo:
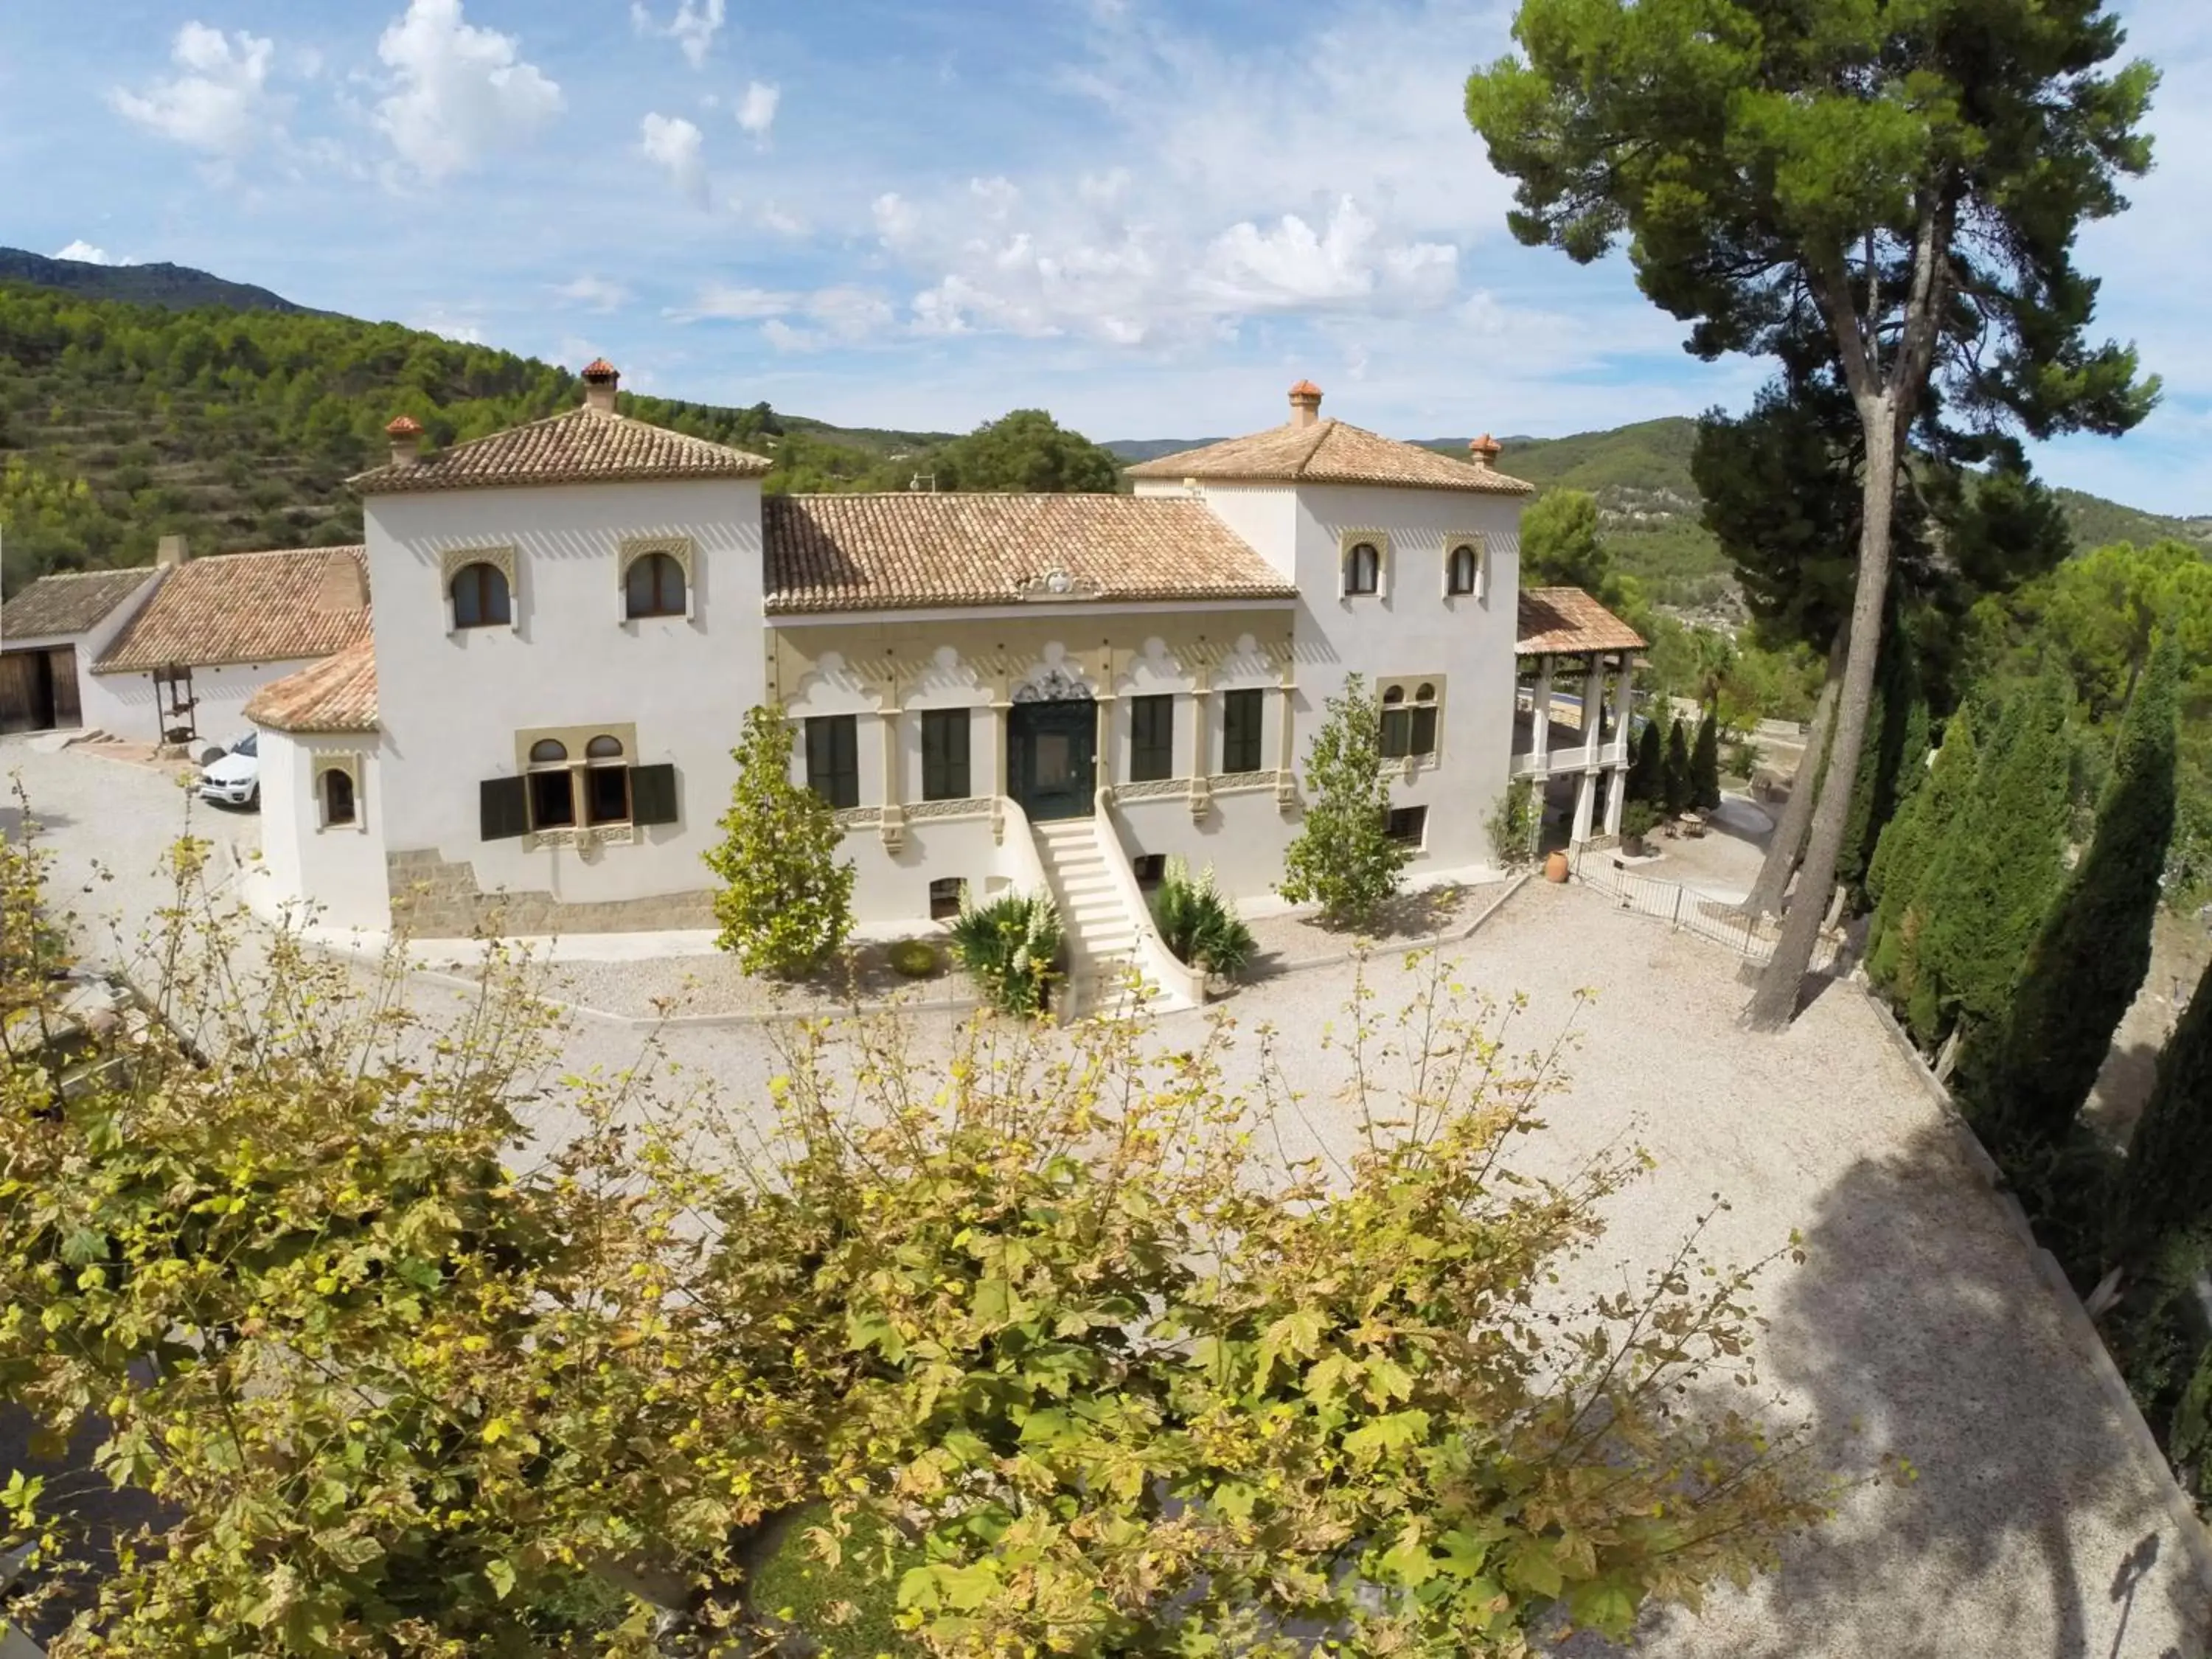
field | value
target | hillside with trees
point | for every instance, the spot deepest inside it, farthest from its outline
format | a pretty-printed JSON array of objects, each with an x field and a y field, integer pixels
[{"x": 121, "y": 422}]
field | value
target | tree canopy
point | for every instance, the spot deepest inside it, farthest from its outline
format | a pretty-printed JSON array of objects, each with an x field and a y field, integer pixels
[{"x": 1027, "y": 450}]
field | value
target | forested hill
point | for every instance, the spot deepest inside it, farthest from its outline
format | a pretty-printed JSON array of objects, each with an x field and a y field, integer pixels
[
  {"x": 122, "y": 422},
  {"x": 176, "y": 287}
]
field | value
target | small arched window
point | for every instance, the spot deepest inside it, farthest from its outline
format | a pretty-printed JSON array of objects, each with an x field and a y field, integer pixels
[
  {"x": 480, "y": 597},
  {"x": 1363, "y": 569},
  {"x": 655, "y": 586},
  {"x": 1394, "y": 695},
  {"x": 1409, "y": 723},
  {"x": 603, "y": 748},
  {"x": 547, "y": 752},
  {"x": 1462, "y": 573},
  {"x": 337, "y": 797}
]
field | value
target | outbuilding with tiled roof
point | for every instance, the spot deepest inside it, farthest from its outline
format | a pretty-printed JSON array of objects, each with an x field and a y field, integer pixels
[{"x": 50, "y": 634}]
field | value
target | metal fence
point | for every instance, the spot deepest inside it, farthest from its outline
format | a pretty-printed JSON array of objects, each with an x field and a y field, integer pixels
[{"x": 1688, "y": 911}]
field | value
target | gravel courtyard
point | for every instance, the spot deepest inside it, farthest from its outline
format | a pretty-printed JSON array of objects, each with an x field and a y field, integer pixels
[{"x": 1919, "y": 1325}]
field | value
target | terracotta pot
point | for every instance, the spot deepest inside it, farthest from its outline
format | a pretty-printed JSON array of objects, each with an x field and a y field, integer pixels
[{"x": 1555, "y": 866}]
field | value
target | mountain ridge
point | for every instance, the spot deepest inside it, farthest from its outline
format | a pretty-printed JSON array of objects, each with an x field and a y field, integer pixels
[{"x": 174, "y": 288}]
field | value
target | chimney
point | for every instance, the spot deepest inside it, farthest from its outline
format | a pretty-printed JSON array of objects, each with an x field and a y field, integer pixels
[
  {"x": 1484, "y": 450},
  {"x": 1305, "y": 404},
  {"x": 341, "y": 588},
  {"x": 406, "y": 435},
  {"x": 170, "y": 552},
  {"x": 599, "y": 382}
]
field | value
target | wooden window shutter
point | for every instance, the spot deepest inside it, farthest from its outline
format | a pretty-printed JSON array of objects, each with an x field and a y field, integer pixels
[
  {"x": 503, "y": 805},
  {"x": 652, "y": 794}
]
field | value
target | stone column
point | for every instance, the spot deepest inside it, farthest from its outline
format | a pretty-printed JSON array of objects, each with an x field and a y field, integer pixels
[
  {"x": 1616, "y": 796},
  {"x": 1624, "y": 701},
  {"x": 1585, "y": 806},
  {"x": 994, "y": 763},
  {"x": 1287, "y": 748},
  {"x": 1592, "y": 703},
  {"x": 1540, "y": 716},
  {"x": 1202, "y": 758},
  {"x": 893, "y": 821}
]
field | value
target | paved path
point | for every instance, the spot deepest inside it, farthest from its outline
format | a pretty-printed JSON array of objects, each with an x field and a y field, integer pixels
[{"x": 1919, "y": 1325}]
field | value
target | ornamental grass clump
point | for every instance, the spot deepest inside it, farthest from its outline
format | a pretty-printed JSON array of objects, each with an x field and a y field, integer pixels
[
  {"x": 1010, "y": 946},
  {"x": 1198, "y": 925}
]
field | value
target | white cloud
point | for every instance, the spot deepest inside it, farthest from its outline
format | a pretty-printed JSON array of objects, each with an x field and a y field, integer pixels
[
  {"x": 219, "y": 103},
  {"x": 84, "y": 251},
  {"x": 673, "y": 142},
  {"x": 1293, "y": 265},
  {"x": 756, "y": 110},
  {"x": 897, "y": 220},
  {"x": 595, "y": 292},
  {"x": 722, "y": 302},
  {"x": 694, "y": 27},
  {"x": 844, "y": 315},
  {"x": 437, "y": 320},
  {"x": 458, "y": 92},
  {"x": 782, "y": 220}
]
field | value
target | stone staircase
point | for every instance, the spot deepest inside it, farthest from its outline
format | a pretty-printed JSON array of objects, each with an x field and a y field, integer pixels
[{"x": 1102, "y": 934}]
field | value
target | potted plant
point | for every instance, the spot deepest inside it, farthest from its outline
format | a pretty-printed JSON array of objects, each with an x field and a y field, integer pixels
[{"x": 1637, "y": 820}]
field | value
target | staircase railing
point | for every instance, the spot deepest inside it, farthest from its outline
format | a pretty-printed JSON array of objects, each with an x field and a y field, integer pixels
[{"x": 1175, "y": 977}]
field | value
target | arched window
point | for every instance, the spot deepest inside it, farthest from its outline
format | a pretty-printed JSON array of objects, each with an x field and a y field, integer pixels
[
  {"x": 1462, "y": 573},
  {"x": 655, "y": 586},
  {"x": 1363, "y": 569},
  {"x": 547, "y": 752},
  {"x": 337, "y": 797},
  {"x": 603, "y": 748},
  {"x": 480, "y": 597},
  {"x": 1409, "y": 722},
  {"x": 606, "y": 782}
]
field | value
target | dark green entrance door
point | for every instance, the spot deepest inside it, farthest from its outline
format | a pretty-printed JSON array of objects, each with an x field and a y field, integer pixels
[{"x": 1052, "y": 758}]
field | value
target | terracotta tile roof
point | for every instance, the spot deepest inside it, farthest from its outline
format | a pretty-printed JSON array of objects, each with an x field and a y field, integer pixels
[
  {"x": 1330, "y": 451},
  {"x": 580, "y": 445},
  {"x": 248, "y": 607},
  {"x": 895, "y": 550},
  {"x": 1557, "y": 619},
  {"x": 337, "y": 694},
  {"x": 69, "y": 602}
]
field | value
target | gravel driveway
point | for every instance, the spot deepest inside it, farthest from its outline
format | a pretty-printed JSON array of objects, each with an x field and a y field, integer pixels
[{"x": 1918, "y": 1326}]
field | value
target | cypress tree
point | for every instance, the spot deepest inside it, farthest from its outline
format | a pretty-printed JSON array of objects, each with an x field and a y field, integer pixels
[
  {"x": 1996, "y": 873},
  {"x": 2167, "y": 1183},
  {"x": 1705, "y": 765},
  {"x": 1908, "y": 851},
  {"x": 1897, "y": 742},
  {"x": 1647, "y": 774},
  {"x": 2027, "y": 1076},
  {"x": 1682, "y": 793}
]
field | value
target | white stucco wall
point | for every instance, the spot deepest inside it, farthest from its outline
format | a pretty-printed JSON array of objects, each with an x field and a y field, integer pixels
[
  {"x": 130, "y": 703},
  {"x": 336, "y": 872},
  {"x": 96, "y": 693},
  {"x": 450, "y": 703}
]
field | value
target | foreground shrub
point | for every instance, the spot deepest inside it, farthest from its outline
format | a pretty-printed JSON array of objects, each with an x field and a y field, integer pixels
[
  {"x": 1200, "y": 927},
  {"x": 1010, "y": 947},
  {"x": 1512, "y": 824},
  {"x": 1051, "y": 1337}
]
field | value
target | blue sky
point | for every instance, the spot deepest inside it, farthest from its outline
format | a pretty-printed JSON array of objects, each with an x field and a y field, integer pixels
[{"x": 1149, "y": 216}]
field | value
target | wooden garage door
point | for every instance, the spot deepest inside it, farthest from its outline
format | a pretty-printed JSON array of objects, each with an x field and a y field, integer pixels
[{"x": 38, "y": 689}]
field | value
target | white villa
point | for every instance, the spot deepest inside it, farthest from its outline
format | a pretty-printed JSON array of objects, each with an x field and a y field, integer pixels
[{"x": 569, "y": 619}]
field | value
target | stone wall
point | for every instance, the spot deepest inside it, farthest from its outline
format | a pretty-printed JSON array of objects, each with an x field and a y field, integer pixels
[{"x": 433, "y": 898}]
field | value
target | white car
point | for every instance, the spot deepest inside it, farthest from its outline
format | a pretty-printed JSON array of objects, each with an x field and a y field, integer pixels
[{"x": 234, "y": 779}]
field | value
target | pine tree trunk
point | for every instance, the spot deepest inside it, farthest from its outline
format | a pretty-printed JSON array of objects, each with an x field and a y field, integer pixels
[
  {"x": 1774, "y": 1004},
  {"x": 1788, "y": 842}
]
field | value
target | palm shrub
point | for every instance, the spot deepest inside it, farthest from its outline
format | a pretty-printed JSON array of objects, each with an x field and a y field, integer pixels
[
  {"x": 1198, "y": 925},
  {"x": 785, "y": 903},
  {"x": 1343, "y": 858},
  {"x": 2027, "y": 1075},
  {"x": 1010, "y": 946}
]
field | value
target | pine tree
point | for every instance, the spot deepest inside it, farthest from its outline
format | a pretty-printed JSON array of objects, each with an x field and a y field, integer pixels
[
  {"x": 1343, "y": 857},
  {"x": 1682, "y": 793},
  {"x": 2003, "y": 862},
  {"x": 2167, "y": 1183},
  {"x": 2027, "y": 1077},
  {"x": 1647, "y": 774},
  {"x": 1705, "y": 765}
]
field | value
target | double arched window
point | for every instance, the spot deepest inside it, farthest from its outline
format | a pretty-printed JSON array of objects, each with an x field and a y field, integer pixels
[
  {"x": 653, "y": 586},
  {"x": 481, "y": 599},
  {"x": 1409, "y": 721},
  {"x": 1362, "y": 569},
  {"x": 1462, "y": 570},
  {"x": 564, "y": 791}
]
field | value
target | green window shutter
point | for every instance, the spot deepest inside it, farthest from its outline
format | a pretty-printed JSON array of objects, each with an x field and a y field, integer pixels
[
  {"x": 1397, "y": 731},
  {"x": 945, "y": 772},
  {"x": 652, "y": 794},
  {"x": 833, "y": 765},
  {"x": 1240, "y": 730},
  {"x": 1424, "y": 740},
  {"x": 1152, "y": 739},
  {"x": 502, "y": 808}
]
